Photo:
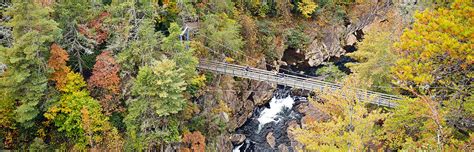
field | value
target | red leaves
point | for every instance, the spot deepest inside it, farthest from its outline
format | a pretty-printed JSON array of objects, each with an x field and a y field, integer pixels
[
  {"x": 100, "y": 33},
  {"x": 105, "y": 82},
  {"x": 197, "y": 141},
  {"x": 57, "y": 62},
  {"x": 104, "y": 74}
]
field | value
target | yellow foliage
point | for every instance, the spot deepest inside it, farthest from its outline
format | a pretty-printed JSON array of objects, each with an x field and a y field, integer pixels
[
  {"x": 351, "y": 127},
  {"x": 307, "y": 7},
  {"x": 222, "y": 107}
]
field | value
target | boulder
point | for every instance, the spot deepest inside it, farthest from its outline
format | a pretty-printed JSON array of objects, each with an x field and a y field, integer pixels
[
  {"x": 237, "y": 139},
  {"x": 271, "y": 139},
  {"x": 283, "y": 148}
]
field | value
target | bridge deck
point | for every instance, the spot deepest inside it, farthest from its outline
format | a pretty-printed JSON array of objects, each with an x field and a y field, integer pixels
[{"x": 293, "y": 81}]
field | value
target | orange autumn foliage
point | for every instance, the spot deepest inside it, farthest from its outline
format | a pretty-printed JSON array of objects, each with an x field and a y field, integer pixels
[
  {"x": 94, "y": 29},
  {"x": 57, "y": 62},
  {"x": 105, "y": 82},
  {"x": 196, "y": 140}
]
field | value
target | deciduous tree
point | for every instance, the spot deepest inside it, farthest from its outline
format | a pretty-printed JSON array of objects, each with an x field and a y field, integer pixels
[
  {"x": 57, "y": 62},
  {"x": 105, "y": 82},
  {"x": 78, "y": 115},
  {"x": 351, "y": 126},
  {"x": 307, "y": 7},
  {"x": 196, "y": 140},
  {"x": 436, "y": 67},
  {"x": 375, "y": 56}
]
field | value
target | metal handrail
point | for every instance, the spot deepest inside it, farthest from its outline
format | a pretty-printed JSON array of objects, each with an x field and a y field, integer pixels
[{"x": 290, "y": 80}]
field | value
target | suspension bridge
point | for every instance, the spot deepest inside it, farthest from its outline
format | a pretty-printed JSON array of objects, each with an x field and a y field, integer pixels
[
  {"x": 299, "y": 82},
  {"x": 309, "y": 84}
]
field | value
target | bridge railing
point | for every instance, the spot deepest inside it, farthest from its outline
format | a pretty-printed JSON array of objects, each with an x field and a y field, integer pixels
[{"x": 295, "y": 81}]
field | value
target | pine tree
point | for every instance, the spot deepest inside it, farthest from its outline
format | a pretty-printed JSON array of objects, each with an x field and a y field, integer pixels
[
  {"x": 25, "y": 80},
  {"x": 143, "y": 50},
  {"x": 222, "y": 34},
  {"x": 180, "y": 54},
  {"x": 71, "y": 17}
]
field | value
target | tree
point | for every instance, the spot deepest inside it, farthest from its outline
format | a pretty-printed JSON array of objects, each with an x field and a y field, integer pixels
[
  {"x": 79, "y": 116},
  {"x": 57, "y": 62},
  {"x": 350, "y": 127},
  {"x": 183, "y": 56},
  {"x": 297, "y": 39},
  {"x": 158, "y": 93},
  {"x": 105, "y": 82},
  {"x": 307, "y": 7},
  {"x": 25, "y": 80},
  {"x": 196, "y": 140},
  {"x": 331, "y": 73},
  {"x": 375, "y": 57},
  {"x": 71, "y": 16},
  {"x": 435, "y": 67},
  {"x": 221, "y": 34},
  {"x": 141, "y": 51},
  {"x": 162, "y": 85}
]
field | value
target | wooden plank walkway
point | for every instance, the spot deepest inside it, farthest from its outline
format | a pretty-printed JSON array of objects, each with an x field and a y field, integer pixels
[{"x": 293, "y": 81}]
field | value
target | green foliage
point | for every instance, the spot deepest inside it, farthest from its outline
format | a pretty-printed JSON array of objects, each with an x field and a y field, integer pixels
[
  {"x": 375, "y": 57},
  {"x": 25, "y": 80},
  {"x": 296, "y": 38},
  {"x": 331, "y": 73},
  {"x": 72, "y": 17},
  {"x": 162, "y": 85},
  {"x": 222, "y": 34},
  {"x": 183, "y": 57},
  {"x": 142, "y": 50},
  {"x": 266, "y": 37},
  {"x": 78, "y": 115}
]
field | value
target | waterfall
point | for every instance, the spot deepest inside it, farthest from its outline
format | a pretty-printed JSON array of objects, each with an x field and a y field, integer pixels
[
  {"x": 276, "y": 106},
  {"x": 273, "y": 118}
]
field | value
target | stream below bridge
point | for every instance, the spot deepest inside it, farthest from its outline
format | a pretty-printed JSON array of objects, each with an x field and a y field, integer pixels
[{"x": 267, "y": 128}]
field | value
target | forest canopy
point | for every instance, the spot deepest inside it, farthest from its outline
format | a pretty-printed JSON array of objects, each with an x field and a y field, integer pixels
[{"x": 123, "y": 76}]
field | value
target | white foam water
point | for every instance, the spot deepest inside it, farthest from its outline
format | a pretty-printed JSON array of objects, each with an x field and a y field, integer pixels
[
  {"x": 237, "y": 149},
  {"x": 276, "y": 106}
]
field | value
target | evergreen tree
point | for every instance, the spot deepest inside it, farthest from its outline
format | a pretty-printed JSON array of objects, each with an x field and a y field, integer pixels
[
  {"x": 221, "y": 34},
  {"x": 143, "y": 50},
  {"x": 25, "y": 80},
  {"x": 71, "y": 15},
  {"x": 180, "y": 54}
]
